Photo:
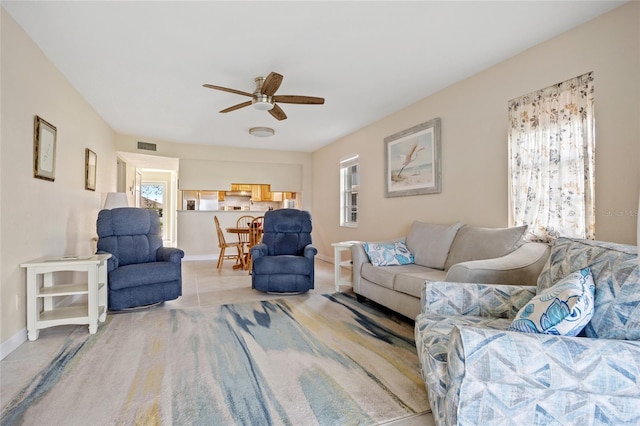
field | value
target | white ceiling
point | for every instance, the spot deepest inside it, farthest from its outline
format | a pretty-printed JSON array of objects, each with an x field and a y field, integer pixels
[{"x": 141, "y": 65}]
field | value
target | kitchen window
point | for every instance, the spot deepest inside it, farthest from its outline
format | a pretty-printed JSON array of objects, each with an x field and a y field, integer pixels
[{"x": 349, "y": 183}]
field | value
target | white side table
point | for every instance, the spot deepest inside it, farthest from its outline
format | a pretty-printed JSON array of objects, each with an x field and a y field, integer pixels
[
  {"x": 338, "y": 248},
  {"x": 44, "y": 314}
]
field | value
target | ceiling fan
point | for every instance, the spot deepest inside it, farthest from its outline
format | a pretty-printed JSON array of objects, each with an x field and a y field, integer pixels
[{"x": 264, "y": 97}]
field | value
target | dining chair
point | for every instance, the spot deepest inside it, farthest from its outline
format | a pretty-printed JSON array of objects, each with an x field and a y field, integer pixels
[
  {"x": 224, "y": 245},
  {"x": 243, "y": 238},
  {"x": 255, "y": 236}
]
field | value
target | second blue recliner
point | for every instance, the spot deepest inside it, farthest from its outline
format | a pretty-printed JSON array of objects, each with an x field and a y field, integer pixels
[{"x": 284, "y": 261}]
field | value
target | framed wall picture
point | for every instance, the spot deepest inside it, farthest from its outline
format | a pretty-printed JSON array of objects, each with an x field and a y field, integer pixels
[
  {"x": 44, "y": 150},
  {"x": 90, "y": 166},
  {"x": 412, "y": 161}
]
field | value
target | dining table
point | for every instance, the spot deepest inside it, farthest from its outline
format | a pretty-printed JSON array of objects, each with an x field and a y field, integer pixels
[{"x": 245, "y": 254}]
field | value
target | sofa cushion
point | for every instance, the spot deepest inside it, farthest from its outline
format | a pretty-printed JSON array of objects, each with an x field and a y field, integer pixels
[
  {"x": 476, "y": 243},
  {"x": 564, "y": 309},
  {"x": 385, "y": 276},
  {"x": 387, "y": 254},
  {"x": 140, "y": 274},
  {"x": 430, "y": 243},
  {"x": 411, "y": 283},
  {"x": 616, "y": 275}
]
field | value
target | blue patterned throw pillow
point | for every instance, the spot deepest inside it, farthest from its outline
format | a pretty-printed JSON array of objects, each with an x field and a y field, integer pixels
[
  {"x": 387, "y": 254},
  {"x": 563, "y": 309}
]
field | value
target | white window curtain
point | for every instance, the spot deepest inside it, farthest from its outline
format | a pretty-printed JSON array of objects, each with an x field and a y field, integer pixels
[{"x": 551, "y": 160}]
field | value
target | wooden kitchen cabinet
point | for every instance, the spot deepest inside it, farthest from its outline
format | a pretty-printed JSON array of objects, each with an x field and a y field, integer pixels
[
  {"x": 221, "y": 195},
  {"x": 266, "y": 192},
  {"x": 261, "y": 192},
  {"x": 255, "y": 193},
  {"x": 241, "y": 187}
]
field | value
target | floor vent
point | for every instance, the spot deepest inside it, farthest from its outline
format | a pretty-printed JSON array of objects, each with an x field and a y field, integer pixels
[{"x": 147, "y": 146}]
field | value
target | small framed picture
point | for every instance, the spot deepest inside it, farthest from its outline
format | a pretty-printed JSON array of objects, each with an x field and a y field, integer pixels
[
  {"x": 44, "y": 150},
  {"x": 90, "y": 165}
]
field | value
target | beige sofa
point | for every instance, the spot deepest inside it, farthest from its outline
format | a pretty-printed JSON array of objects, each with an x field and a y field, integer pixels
[{"x": 456, "y": 253}]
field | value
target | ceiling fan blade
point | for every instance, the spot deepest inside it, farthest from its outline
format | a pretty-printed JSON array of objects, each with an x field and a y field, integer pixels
[
  {"x": 294, "y": 99},
  {"x": 235, "y": 107},
  {"x": 278, "y": 113},
  {"x": 226, "y": 89},
  {"x": 271, "y": 84}
]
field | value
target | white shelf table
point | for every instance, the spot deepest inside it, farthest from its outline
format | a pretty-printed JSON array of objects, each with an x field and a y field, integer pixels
[
  {"x": 41, "y": 309},
  {"x": 338, "y": 263}
]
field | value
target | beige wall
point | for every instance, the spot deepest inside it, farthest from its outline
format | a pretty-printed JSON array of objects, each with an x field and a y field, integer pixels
[
  {"x": 474, "y": 145},
  {"x": 38, "y": 217}
]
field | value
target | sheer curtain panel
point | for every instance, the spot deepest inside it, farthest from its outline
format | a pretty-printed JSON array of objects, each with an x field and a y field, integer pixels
[{"x": 551, "y": 160}]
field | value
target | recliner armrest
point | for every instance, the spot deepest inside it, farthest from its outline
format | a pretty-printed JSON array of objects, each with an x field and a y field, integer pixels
[
  {"x": 259, "y": 250},
  {"x": 310, "y": 251},
  {"x": 112, "y": 262},
  {"x": 170, "y": 254}
]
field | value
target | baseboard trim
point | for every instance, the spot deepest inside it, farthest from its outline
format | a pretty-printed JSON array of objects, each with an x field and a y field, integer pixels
[
  {"x": 12, "y": 343},
  {"x": 195, "y": 257}
]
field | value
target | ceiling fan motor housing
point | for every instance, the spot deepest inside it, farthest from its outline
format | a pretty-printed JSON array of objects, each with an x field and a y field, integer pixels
[{"x": 262, "y": 102}]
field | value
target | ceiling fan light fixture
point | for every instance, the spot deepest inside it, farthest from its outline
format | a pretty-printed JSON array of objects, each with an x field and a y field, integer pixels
[
  {"x": 262, "y": 102},
  {"x": 262, "y": 132}
]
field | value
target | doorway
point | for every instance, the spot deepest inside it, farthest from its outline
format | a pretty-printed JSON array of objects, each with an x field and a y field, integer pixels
[
  {"x": 153, "y": 196},
  {"x": 160, "y": 175}
]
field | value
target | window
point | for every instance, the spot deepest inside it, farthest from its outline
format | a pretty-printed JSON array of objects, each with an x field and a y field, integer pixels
[
  {"x": 551, "y": 160},
  {"x": 349, "y": 182}
]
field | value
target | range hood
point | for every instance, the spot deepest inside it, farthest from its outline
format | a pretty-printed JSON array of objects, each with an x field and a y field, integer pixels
[{"x": 238, "y": 193}]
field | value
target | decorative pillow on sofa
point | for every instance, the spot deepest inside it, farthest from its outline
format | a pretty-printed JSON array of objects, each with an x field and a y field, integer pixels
[
  {"x": 387, "y": 254},
  {"x": 563, "y": 309}
]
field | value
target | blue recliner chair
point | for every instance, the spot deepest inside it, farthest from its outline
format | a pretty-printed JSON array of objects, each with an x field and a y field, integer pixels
[
  {"x": 283, "y": 262},
  {"x": 140, "y": 271}
]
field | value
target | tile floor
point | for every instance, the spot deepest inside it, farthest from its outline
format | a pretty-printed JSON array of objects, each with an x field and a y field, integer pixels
[{"x": 202, "y": 285}]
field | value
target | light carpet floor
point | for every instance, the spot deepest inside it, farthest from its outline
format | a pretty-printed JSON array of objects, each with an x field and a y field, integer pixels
[{"x": 300, "y": 360}]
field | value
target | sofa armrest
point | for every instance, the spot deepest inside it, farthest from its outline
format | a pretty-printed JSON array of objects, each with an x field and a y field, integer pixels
[
  {"x": 170, "y": 254},
  {"x": 486, "y": 300},
  {"x": 521, "y": 266},
  {"x": 525, "y": 376},
  {"x": 359, "y": 257}
]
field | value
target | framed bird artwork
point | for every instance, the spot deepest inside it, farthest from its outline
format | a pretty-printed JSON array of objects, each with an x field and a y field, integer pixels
[{"x": 413, "y": 161}]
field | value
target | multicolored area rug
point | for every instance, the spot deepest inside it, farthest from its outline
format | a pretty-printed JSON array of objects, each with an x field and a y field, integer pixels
[{"x": 299, "y": 360}]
